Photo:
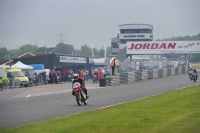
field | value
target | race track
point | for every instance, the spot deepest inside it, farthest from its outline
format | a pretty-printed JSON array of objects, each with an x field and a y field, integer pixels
[{"x": 33, "y": 104}]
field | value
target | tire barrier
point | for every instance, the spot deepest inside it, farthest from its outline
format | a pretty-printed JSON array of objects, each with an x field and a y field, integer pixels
[
  {"x": 150, "y": 74},
  {"x": 131, "y": 77},
  {"x": 164, "y": 72},
  {"x": 155, "y": 73},
  {"x": 160, "y": 73},
  {"x": 186, "y": 69},
  {"x": 172, "y": 71},
  {"x": 180, "y": 70},
  {"x": 169, "y": 72},
  {"x": 123, "y": 78},
  {"x": 176, "y": 71},
  {"x": 144, "y": 75},
  {"x": 183, "y": 70},
  {"x": 138, "y": 76}
]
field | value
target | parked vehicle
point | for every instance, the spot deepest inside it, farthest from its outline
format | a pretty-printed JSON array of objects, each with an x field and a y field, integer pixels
[
  {"x": 17, "y": 73},
  {"x": 79, "y": 94}
]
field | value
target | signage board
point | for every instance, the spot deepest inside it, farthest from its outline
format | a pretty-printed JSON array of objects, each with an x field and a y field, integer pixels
[
  {"x": 73, "y": 59},
  {"x": 163, "y": 47}
]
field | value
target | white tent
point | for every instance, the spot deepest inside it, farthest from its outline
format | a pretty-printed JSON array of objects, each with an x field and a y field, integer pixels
[{"x": 22, "y": 66}]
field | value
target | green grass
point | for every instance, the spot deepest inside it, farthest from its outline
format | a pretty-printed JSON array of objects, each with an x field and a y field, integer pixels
[
  {"x": 196, "y": 66},
  {"x": 172, "y": 112}
]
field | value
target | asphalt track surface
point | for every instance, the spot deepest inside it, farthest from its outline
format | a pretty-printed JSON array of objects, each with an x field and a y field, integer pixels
[{"x": 33, "y": 104}]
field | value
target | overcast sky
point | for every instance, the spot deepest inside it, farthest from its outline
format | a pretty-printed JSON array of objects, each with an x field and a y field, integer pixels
[{"x": 92, "y": 21}]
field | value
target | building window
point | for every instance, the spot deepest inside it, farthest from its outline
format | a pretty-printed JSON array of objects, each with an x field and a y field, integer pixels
[
  {"x": 126, "y": 31},
  {"x": 115, "y": 45}
]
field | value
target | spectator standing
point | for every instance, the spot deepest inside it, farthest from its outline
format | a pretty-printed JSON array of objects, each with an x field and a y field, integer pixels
[
  {"x": 10, "y": 77},
  {"x": 99, "y": 74},
  {"x": 113, "y": 66}
]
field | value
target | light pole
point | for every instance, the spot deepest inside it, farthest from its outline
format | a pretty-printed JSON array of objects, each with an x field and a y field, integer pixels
[{"x": 45, "y": 49}]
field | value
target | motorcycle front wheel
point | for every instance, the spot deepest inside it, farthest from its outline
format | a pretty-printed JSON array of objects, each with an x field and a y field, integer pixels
[{"x": 78, "y": 99}]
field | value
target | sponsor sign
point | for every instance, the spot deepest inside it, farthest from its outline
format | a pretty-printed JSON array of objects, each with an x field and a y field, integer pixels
[
  {"x": 73, "y": 59},
  {"x": 163, "y": 47}
]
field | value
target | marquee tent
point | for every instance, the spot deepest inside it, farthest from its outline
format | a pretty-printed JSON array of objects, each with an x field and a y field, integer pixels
[{"x": 22, "y": 66}]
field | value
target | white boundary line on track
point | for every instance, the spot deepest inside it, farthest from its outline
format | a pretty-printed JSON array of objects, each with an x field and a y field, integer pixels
[
  {"x": 132, "y": 100},
  {"x": 56, "y": 92}
]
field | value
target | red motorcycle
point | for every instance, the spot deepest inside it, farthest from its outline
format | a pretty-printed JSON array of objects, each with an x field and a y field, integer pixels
[{"x": 79, "y": 93}]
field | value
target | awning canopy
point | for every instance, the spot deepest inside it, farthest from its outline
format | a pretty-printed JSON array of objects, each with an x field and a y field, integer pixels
[
  {"x": 37, "y": 66},
  {"x": 99, "y": 62},
  {"x": 22, "y": 66}
]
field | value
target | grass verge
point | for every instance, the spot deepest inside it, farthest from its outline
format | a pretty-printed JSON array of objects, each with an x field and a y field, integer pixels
[
  {"x": 172, "y": 112},
  {"x": 196, "y": 66}
]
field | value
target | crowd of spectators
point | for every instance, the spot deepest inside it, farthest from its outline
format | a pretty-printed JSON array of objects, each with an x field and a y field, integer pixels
[{"x": 57, "y": 76}]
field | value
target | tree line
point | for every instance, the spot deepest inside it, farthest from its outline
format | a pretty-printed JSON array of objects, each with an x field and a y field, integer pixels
[
  {"x": 191, "y": 57},
  {"x": 87, "y": 51},
  {"x": 61, "y": 48}
]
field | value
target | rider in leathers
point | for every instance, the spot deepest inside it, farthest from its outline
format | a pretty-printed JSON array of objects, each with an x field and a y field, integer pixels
[{"x": 77, "y": 79}]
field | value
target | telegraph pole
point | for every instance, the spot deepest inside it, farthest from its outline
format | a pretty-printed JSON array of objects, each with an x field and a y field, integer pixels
[{"x": 61, "y": 37}]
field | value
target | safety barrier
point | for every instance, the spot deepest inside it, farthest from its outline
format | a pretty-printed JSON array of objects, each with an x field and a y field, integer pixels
[
  {"x": 131, "y": 77},
  {"x": 172, "y": 71},
  {"x": 144, "y": 75},
  {"x": 40, "y": 80},
  {"x": 169, "y": 72},
  {"x": 15, "y": 84},
  {"x": 155, "y": 73}
]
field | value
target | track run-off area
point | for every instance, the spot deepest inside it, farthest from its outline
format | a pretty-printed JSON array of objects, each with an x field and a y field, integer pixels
[{"x": 21, "y": 106}]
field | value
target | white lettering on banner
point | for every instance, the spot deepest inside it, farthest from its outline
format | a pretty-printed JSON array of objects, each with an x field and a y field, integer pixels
[
  {"x": 163, "y": 47},
  {"x": 73, "y": 59}
]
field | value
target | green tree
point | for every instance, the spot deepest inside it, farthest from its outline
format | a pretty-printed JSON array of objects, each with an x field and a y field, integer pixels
[
  {"x": 101, "y": 52},
  {"x": 27, "y": 48},
  {"x": 86, "y": 50},
  {"x": 42, "y": 50},
  {"x": 14, "y": 53},
  {"x": 3, "y": 51},
  {"x": 63, "y": 48}
]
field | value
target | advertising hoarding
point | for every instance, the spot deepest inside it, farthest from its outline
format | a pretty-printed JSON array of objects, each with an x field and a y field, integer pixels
[
  {"x": 163, "y": 47},
  {"x": 73, "y": 59}
]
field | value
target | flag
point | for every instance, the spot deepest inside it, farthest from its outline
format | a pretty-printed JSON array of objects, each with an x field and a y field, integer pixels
[
  {"x": 92, "y": 50},
  {"x": 105, "y": 50}
]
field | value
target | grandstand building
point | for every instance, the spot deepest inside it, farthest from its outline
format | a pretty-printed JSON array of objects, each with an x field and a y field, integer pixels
[{"x": 131, "y": 33}]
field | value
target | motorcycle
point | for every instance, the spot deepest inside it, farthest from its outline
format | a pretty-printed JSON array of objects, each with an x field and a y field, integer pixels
[
  {"x": 190, "y": 76},
  {"x": 194, "y": 77},
  {"x": 94, "y": 79},
  {"x": 79, "y": 93}
]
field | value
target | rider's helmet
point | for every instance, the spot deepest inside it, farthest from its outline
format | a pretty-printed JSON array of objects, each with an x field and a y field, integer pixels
[
  {"x": 195, "y": 70},
  {"x": 76, "y": 76}
]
